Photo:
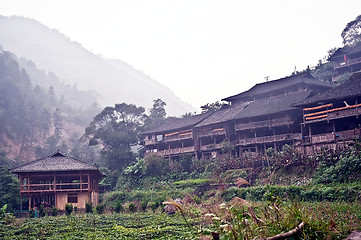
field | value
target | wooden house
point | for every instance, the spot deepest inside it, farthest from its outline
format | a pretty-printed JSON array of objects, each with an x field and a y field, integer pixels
[
  {"x": 173, "y": 138},
  {"x": 331, "y": 119},
  {"x": 252, "y": 121},
  {"x": 267, "y": 117},
  {"x": 57, "y": 180},
  {"x": 346, "y": 60}
]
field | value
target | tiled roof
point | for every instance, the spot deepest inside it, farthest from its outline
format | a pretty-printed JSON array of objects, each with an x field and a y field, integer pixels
[
  {"x": 273, "y": 105},
  {"x": 349, "y": 89},
  {"x": 179, "y": 123},
  {"x": 227, "y": 112},
  {"x": 279, "y": 84},
  {"x": 56, "y": 162}
]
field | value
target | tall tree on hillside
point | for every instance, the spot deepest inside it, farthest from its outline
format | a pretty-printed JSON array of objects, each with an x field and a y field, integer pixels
[
  {"x": 351, "y": 34},
  {"x": 211, "y": 106},
  {"x": 116, "y": 129},
  {"x": 157, "y": 114}
]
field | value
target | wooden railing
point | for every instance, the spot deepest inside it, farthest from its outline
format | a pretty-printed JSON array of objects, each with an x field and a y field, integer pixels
[
  {"x": 270, "y": 139},
  {"x": 211, "y": 147},
  {"x": 265, "y": 123},
  {"x": 334, "y": 113},
  {"x": 173, "y": 151},
  {"x": 51, "y": 187},
  {"x": 347, "y": 63},
  {"x": 211, "y": 132},
  {"x": 336, "y": 136}
]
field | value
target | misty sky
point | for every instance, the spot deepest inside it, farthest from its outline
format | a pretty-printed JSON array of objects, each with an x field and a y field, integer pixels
[{"x": 204, "y": 50}]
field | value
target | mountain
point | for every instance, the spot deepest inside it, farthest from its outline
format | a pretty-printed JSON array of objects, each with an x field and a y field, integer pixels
[{"x": 114, "y": 80}]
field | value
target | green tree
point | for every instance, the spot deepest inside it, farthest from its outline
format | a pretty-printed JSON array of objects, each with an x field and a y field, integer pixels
[
  {"x": 211, "y": 106},
  {"x": 157, "y": 114},
  {"x": 116, "y": 129},
  {"x": 9, "y": 189},
  {"x": 351, "y": 34}
]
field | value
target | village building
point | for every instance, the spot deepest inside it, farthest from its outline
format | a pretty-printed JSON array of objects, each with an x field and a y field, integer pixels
[
  {"x": 331, "y": 119},
  {"x": 57, "y": 180},
  {"x": 174, "y": 138},
  {"x": 252, "y": 121},
  {"x": 346, "y": 60}
]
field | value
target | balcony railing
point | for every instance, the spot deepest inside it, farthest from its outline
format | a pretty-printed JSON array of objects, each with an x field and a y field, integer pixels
[
  {"x": 50, "y": 187},
  {"x": 270, "y": 139},
  {"x": 334, "y": 113},
  {"x": 336, "y": 136},
  {"x": 347, "y": 63},
  {"x": 211, "y": 147},
  {"x": 212, "y": 132},
  {"x": 265, "y": 123},
  {"x": 174, "y": 151}
]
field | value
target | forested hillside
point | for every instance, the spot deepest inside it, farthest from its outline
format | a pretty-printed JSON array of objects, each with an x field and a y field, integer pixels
[
  {"x": 114, "y": 80},
  {"x": 35, "y": 118}
]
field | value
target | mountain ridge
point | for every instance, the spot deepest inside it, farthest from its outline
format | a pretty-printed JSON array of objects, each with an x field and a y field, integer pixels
[{"x": 115, "y": 80}]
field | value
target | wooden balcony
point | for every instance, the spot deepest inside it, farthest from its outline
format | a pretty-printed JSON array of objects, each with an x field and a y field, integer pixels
[
  {"x": 51, "y": 187},
  {"x": 211, "y": 132},
  {"x": 332, "y": 114},
  {"x": 175, "y": 151},
  {"x": 176, "y": 137},
  {"x": 149, "y": 142},
  {"x": 335, "y": 137},
  {"x": 349, "y": 62},
  {"x": 270, "y": 139},
  {"x": 211, "y": 147},
  {"x": 170, "y": 137},
  {"x": 262, "y": 124}
]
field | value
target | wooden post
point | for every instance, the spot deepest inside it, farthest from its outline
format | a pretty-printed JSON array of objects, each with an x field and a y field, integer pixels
[
  {"x": 30, "y": 201},
  {"x": 81, "y": 182}
]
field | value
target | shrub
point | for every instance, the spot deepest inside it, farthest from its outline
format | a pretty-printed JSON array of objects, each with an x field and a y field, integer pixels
[
  {"x": 41, "y": 210},
  {"x": 88, "y": 207},
  {"x": 118, "y": 207},
  {"x": 54, "y": 211},
  {"x": 155, "y": 165},
  {"x": 132, "y": 207},
  {"x": 144, "y": 205},
  {"x": 68, "y": 209},
  {"x": 100, "y": 208},
  {"x": 75, "y": 209}
]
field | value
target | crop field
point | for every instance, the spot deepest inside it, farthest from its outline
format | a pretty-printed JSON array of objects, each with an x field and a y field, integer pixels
[
  {"x": 237, "y": 219},
  {"x": 106, "y": 226}
]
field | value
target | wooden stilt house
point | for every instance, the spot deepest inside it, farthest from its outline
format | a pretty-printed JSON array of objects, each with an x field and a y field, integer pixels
[{"x": 57, "y": 180}]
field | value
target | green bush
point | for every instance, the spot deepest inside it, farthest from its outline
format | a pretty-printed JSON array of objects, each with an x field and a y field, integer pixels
[
  {"x": 132, "y": 207},
  {"x": 347, "y": 193},
  {"x": 68, "y": 209},
  {"x": 41, "y": 210},
  {"x": 118, "y": 207},
  {"x": 54, "y": 211},
  {"x": 100, "y": 208},
  {"x": 88, "y": 207},
  {"x": 155, "y": 165}
]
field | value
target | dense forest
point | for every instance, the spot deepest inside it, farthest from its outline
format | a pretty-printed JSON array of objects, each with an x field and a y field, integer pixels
[{"x": 219, "y": 198}]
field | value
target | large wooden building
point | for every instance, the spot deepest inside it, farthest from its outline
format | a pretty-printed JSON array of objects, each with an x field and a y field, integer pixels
[
  {"x": 332, "y": 119},
  {"x": 252, "y": 121},
  {"x": 57, "y": 180}
]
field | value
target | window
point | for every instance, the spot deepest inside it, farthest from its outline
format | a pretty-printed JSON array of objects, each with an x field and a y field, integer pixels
[{"x": 72, "y": 198}]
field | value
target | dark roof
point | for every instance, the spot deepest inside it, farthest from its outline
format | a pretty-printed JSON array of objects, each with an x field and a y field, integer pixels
[
  {"x": 227, "y": 112},
  {"x": 282, "y": 83},
  {"x": 55, "y": 162},
  {"x": 179, "y": 123},
  {"x": 273, "y": 105},
  {"x": 350, "y": 88}
]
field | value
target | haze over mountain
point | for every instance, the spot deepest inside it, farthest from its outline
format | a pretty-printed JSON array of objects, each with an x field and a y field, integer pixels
[{"x": 114, "y": 80}]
